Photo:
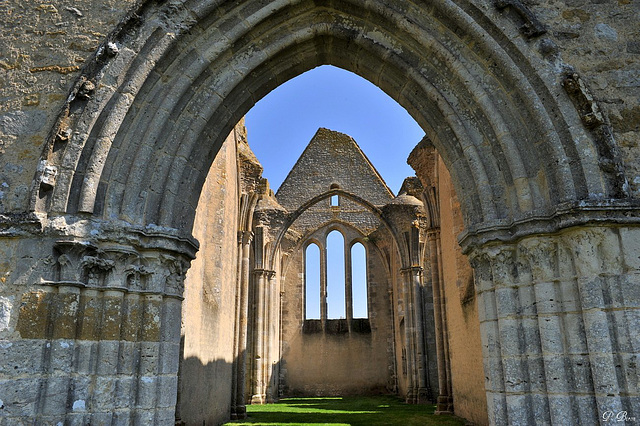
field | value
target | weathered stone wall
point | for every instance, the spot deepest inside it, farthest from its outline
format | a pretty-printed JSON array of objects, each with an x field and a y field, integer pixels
[
  {"x": 559, "y": 314},
  {"x": 601, "y": 41},
  {"x": 495, "y": 73},
  {"x": 465, "y": 348},
  {"x": 91, "y": 328},
  {"x": 208, "y": 321},
  {"x": 340, "y": 362},
  {"x": 43, "y": 46}
]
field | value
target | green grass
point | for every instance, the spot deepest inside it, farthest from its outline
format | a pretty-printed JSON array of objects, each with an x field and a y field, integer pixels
[{"x": 344, "y": 411}]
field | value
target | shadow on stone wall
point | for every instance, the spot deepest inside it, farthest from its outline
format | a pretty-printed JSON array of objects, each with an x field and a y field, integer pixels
[{"x": 205, "y": 392}]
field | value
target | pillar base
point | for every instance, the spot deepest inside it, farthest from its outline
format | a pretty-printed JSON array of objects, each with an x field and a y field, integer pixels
[
  {"x": 239, "y": 412},
  {"x": 444, "y": 405},
  {"x": 424, "y": 396},
  {"x": 411, "y": 397},
  {"x": 258, "y": 399}
]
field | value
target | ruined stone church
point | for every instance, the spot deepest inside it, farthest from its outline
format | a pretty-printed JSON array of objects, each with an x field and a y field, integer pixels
[{"x": 149, "y": 275}]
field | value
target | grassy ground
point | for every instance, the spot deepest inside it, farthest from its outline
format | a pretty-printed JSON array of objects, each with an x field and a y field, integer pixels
[{"x": 347, "y": 411}]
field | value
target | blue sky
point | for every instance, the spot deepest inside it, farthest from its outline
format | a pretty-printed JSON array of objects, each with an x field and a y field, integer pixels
[{"x": 281, "y": 124}]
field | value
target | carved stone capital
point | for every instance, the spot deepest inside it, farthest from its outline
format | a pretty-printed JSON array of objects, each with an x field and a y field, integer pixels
[
  {"x": 595, "y": 250},
  {"x": 540, "y": 253},
  {"x": 245, "y": 237}
]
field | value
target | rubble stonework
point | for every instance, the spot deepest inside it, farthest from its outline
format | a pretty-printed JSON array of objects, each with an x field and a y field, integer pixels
[{"x": 114, "y": 112}]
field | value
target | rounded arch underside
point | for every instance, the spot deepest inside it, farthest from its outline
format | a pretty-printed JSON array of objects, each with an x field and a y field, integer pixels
[{"x": 143, "y": 145}]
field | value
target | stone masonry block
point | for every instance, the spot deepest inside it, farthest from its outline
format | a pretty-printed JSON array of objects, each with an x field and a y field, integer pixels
[
  {"x": 630, "y": 238},
  {"x": 510, "y": 336},
  {"x": 580, "y": 372},
  {"x": 519, "y": 410},
  {"x": 487, "y": 310},
  {"x": 530, "y": 336},
  {"x": 605, "y": 378},
  {"x": 172, "y": 316},
  {"x": 574, "y": 334},
  {"x": 62, "y": 355},
  {"x": 101, "y": 419},
  {"x": 586, "y": 408},
  {"x": 147, "y": 392},
  {"x": 497, "y": 408},
  {"x": 528, "y": 305},
  {"x": 80, "y": 388},
  {"x": 129, "y": 357},
  {"x": 165, "y": 417},
  {"x": 507, "y": 302},
  {"x": 540, "y": 407},
  {"x": 169, "y": 361},
  {"x": 570, "y": 296},
  {"x": 19, "y": 397},
  {"x": 107, "y": 362},
  {"x": 537, "y": 379},
  {"x": 630, "y": 290},
  {"x": 494, "y": 377},
  {"x": 104, "y": 394},
  {"x": 516, "y": 377},
  {"x": 625, "y": 325},
  {"x": 85, "y": 356},
  {"x": 167, "y": 391},
  {"x": 489, "y": 334},
  {"x": 121, "y": 418},
  {"x": 596, "y": 327},
  {"x": 551, "y": 334},
  {"x": 21, "y": 357},
  {"x": 591, "y": 292},
  {"x": 56, "y": 390},
  {"x": 630, "y": 370},
  {"x": 609, "y": 403},
  {"x": 557, "y": 374},
  {"x": 125, "y": 392},
  {"x": 562, "y": 410},
  {"x": 547, "y": 301},
  {"x": 144, "y": 417},
  {"x": 149, "y": 358}
]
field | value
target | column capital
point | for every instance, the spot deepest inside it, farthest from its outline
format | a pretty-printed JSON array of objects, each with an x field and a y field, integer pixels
[
  {"x": 268, "y": 273},
  {"x": 245, "y": 237},
  {"x": 414, "y": 269}
]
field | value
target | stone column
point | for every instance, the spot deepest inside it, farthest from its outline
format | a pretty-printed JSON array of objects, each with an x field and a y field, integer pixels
[
  {"x": 95, "y": 336},
  {"x": 239, "y": 410},
  {"x": 348, "y": 281},
  {"x": 445, "y": 400},
  {"x": 272, "y": 330},
  {"x": 559, "y": 319},
  {"x": 262, "y": 280},
  {"x": 413, "y": 283},
  {"x": 323, "y": 286},
  {"x": 410, "y": 334}
]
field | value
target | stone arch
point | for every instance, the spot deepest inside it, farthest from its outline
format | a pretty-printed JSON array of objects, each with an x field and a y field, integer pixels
[
  {"x": 173, "y": 80},
  {"x": 147, "y": 116}
]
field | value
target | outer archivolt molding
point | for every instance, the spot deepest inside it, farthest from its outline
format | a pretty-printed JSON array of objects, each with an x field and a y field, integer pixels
[{"x": 151, "y": 132}]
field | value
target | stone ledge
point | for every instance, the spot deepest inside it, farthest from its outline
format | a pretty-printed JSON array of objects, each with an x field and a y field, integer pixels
[{"x": 616, "y": 212}]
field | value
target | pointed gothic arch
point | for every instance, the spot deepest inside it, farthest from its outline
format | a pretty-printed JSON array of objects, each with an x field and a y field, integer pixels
[
  {"x": 506, "y": 130},
  {"x": 118, "y": 183}
]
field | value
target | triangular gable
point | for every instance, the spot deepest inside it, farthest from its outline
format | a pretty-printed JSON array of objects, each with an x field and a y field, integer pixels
[{"x": 332, "y": 158}]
